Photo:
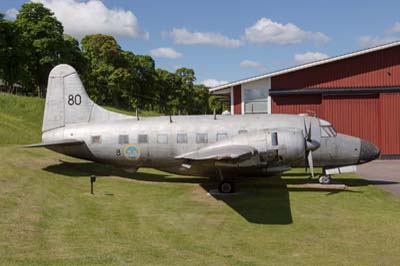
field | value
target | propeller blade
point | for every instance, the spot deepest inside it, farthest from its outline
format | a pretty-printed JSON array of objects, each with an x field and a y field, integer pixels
[
  {"x": 311, "y": 163},
  {"x": 309, "y": 132},
  {"x": 305, "y": 130},
  {"x": 306, "y": 162}
]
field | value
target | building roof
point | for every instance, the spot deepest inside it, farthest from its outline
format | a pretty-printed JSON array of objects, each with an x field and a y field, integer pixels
[{"x": 308, "y": 65}]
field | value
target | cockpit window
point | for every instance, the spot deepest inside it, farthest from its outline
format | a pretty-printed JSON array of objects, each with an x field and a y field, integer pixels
[{"x": 328, "y": 131}]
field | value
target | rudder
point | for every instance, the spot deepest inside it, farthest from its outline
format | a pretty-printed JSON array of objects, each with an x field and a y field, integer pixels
[{"x": 67, "y": 101}]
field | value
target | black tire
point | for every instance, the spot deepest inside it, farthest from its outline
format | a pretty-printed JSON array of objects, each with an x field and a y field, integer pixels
[
  {"x": 226, "y": 187},
  {"x": 325, "y": 179}
]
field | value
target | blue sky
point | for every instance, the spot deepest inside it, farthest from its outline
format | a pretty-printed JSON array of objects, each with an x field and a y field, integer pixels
[{"x": 229, "y": 40}]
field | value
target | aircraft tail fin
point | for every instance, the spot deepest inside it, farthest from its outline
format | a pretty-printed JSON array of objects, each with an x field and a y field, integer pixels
[{"x": 67, "y": 101}]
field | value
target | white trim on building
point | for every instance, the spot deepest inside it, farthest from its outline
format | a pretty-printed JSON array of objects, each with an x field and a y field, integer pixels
[{"x": 308, "y": 65}]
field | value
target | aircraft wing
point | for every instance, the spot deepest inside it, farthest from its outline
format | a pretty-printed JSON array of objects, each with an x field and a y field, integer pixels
[
  {"x": 63, "y": 142},
  {"x": 228, "y": 152}
]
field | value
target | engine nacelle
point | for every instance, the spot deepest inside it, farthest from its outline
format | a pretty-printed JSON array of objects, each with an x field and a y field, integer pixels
[{"x": 275, "y": 147}]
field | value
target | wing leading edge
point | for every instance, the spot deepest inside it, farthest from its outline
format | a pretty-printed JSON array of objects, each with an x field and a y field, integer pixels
[{"x": 229, "y": 152}]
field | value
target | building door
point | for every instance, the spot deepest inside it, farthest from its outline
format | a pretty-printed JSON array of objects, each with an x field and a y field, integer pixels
[
  {"x": 356, "y": 115},
  {"x": 390, "y": 123}
]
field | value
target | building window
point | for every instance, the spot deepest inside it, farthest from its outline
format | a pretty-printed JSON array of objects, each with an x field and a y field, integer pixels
[
  {"x": 242, "y": 131},
  {"x": 181, "y": 138},
  {"x": 123, "y": 139},
  {"x": 162, "y": 139},
  {"x": 255, "y": 100},
  {"x": 96, "y": 139},
  {"x": 221, "y": 136},
  {"x": 201, "y": 138},
  {"x": 142, "y": 138}
]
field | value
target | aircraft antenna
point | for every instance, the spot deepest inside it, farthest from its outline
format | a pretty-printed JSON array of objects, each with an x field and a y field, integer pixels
[
  {"x": 215, "y": 115},
  {"x": 137, "y": 114}
]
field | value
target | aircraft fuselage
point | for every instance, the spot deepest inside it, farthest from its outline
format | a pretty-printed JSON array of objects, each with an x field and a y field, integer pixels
[{"x": 156, "y": 141}]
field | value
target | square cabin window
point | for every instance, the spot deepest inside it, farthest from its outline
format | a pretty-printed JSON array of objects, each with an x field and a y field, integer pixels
[
  {"x": 181, "y": 138},
  {"x": 123, "y": 139},
  {"x": 221, "y": 136},
  {"x": 96, "y": 139},
  {"x": 201, "y": 138},
  {"x": 143, "y": 138},
  {"x": 162, "y": 139}
]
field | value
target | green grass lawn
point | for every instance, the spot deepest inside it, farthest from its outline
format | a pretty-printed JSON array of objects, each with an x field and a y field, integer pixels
[{"x": 48, "y": 216}]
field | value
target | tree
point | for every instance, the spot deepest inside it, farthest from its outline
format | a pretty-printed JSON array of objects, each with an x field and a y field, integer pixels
[
  {"x": 103, "y": 56},
  {"x": 11, "y": 53},
  {"x": 200, "y": 104},
  {"x": 141, "y": 91},
  {"x": 185, "y": 91},
  {"x": 71, "y": 54},
  {"x": 167, "y": 85},
  {"x": 42, "y": 35}
]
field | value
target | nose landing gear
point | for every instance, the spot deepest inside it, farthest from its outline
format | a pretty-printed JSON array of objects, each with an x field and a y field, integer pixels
[{"x": 325, "y": 179}]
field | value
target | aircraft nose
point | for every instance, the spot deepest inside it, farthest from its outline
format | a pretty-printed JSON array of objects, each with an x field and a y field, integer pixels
[{"x": 368, "y": 152}]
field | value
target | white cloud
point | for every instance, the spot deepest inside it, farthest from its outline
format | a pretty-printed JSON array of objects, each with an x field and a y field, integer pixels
[
  {"x": 371, "y": 41},
  {"x": 213, "y": 82},
  {"x": 165, "y": 52},
  {"x": 394, "y": 29},
  {"x": 267, "y": 31},
  {"x": 309, "y": 57},
  {"x": 90, "y": 17},
  {"x": 388, "y": 37},
  {"x": 253, "y": 64},
  {"x": 184, "y": 36},
  {"x": 12, "y": 13}
]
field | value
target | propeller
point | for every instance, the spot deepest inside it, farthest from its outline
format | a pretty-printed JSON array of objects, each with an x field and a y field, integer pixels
[{"x": 310, "y": 145}]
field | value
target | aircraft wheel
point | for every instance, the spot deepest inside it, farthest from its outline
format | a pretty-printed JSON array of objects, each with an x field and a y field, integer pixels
[
  {"x": 325, "y": 179},
  {"x": 226, "y": 187}
]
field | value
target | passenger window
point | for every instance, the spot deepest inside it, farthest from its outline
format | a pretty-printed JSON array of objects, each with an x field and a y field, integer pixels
[
  {"x": 96, "y": 139},
  {"x": 274, "y": 138},
  {"x": 242, "y": 131},
  {"x": 181, "y": 138},
  {"x": 143, "y": 139},
  {"x": 162, "y": 139},
  {"x": 221, "y": 136},
  {"x": 201, "y": 138},
  {"x": 123, "y": 139}
]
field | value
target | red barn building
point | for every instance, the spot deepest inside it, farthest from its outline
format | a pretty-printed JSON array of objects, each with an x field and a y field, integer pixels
[{"x": 359, "y": 93}]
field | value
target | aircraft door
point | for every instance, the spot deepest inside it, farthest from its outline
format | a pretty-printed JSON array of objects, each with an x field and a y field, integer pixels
[{"x": 270, "y": 156}]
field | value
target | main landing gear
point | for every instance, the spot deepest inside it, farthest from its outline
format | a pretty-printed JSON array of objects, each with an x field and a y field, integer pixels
[{"x": 226, "y": 185}]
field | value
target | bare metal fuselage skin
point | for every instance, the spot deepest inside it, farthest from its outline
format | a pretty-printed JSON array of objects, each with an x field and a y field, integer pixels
[
  {"x": 241, "y": 145},
  {"x": 251, "y": 130}
]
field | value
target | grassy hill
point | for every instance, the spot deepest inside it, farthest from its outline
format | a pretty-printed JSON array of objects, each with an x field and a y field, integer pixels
[
  {"x": 48, "y": 216},
  {"x": 20, "y": 119}
]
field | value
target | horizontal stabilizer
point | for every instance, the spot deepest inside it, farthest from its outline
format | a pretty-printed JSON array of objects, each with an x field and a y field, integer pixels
[
  {"x": 229, "y": 152},
  {"x": 63, "y": 142}
]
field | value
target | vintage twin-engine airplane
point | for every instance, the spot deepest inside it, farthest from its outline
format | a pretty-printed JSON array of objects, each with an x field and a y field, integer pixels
[{"x": 221, "y": 146}]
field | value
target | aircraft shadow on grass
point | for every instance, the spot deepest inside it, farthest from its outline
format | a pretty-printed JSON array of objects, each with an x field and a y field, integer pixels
[{"x": 259, "y": 200}]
